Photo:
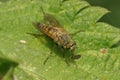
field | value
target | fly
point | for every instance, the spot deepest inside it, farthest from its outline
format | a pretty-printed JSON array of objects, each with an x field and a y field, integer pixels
[{"x": 56, "y": 32}]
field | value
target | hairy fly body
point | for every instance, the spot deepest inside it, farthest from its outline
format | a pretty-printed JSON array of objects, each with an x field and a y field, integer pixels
[
  {"x": 54, "y": 30},
  {"x": 59, "y": 35}
]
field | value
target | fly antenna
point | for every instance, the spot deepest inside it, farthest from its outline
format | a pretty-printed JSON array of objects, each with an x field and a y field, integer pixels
[{"x": 42, "y": 10}]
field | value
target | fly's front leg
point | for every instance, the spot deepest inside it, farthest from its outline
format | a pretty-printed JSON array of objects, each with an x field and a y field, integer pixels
[
  {"x": 49, "y": 55},
  {"x": 64, "y": 56}
]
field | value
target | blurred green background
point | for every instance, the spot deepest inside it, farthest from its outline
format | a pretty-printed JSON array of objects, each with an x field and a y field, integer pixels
[{"x": 113, "y": 17}]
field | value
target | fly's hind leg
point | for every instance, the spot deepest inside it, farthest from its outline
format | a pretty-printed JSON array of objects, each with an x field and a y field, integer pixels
[
  {"x": 36, "y": 35},
  {"x": 49, "y": 55},
  {"x": 47, "y": 58}
]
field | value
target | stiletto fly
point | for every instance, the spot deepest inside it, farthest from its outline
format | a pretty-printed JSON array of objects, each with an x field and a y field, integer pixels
[{"x": 56, "y": 32}]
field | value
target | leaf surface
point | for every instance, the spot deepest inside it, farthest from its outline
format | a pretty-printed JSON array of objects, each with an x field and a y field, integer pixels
[{"x": 16, "y": 17}]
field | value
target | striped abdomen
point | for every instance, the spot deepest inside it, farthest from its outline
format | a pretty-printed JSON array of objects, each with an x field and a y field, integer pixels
[{"x": 59, "y": 35}]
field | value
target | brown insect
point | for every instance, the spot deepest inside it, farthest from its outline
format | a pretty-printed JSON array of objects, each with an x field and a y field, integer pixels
[{"x": 54, "y": 30}]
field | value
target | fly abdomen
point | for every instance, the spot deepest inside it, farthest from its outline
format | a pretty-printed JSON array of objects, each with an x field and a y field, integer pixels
[
  {"x": 48, "y": 30},
  {"x": 42, "y": 27}
]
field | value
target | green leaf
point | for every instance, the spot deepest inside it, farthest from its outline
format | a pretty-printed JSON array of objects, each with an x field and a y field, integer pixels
[{"x": 98, "y": 60}]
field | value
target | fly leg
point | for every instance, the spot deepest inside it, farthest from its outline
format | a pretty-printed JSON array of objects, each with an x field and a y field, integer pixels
[
  {"x": 64, "y": 56},
  {"x": 76, "y": 32},
  {"x": 36, "y": 35},
  {"x": 49, "y": 55},
  {"x": 47, "y": 58}
]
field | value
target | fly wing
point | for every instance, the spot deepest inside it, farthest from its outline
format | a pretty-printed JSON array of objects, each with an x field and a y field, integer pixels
[{"x": 51, "y": 20}]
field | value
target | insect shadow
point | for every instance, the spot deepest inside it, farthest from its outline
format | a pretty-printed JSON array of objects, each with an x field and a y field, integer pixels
[
  {"x": 55, "y": 48},
  {"x": 54, "y": 31}
]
